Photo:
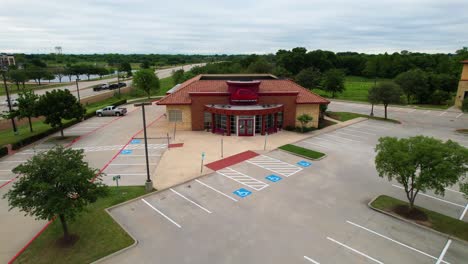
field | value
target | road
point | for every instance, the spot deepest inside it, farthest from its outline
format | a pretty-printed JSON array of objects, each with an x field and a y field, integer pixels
[{"x": 85, "y": 87}]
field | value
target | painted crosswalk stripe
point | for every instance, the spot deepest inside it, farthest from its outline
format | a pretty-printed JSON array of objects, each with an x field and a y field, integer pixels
[
  {"x": 274, "y": 165},
  {"x": 242, "y": 179}
]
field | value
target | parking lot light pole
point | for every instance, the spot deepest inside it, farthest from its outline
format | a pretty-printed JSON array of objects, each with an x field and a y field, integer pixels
[
  {"x": 3, "y": 70},
  {"x": 148, "y": 183},
  {"x": 78, "y": 89}
]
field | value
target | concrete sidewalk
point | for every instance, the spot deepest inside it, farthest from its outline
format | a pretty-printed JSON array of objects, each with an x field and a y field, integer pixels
[{"x": 179, "y": 165}]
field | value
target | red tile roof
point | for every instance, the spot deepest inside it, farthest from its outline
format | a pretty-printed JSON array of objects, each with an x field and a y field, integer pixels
[{"x": 182, "y": 96}]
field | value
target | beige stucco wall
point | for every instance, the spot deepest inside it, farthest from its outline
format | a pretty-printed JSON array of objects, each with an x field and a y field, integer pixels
[
  {"x": 462, "y": 86},
  {"x": 311, "y": 109},
  {"x": 186, "y": 123}
]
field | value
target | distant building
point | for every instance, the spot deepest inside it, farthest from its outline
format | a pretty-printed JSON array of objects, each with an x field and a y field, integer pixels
[
  {"x": 462, "y": 93},
  {"x": 240, "y": 104},
  {"x": 7, "y": 59}
]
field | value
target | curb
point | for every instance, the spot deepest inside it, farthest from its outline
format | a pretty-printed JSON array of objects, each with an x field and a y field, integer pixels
[
  {"x": 392, "y": 105},
  {"x": 414, "y": 223},
  {"x": 302, "y": 156}
]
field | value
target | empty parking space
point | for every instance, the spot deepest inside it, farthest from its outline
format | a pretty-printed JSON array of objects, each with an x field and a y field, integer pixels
[{"x": 274, "y": 165}]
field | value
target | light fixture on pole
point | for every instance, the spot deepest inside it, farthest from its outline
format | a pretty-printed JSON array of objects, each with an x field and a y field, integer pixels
[
  {"x": 78, "y": 89},
  {"x": 148, "y": 183}
]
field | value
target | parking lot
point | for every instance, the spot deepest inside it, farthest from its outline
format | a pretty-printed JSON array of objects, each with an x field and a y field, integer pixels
[{"x": 279, "y": 208}]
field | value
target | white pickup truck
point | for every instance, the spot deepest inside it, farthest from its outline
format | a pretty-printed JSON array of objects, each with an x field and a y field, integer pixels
[{"x": 111, "y": 111}]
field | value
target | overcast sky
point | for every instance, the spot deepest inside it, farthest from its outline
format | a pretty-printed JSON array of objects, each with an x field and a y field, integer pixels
[{"x": 232, "y": 26}]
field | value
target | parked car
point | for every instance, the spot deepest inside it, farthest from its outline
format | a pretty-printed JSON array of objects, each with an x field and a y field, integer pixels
[
  {"x": 113, "y": 86},
  {"x": 100, "y": 87},
  {"x": 122, "y": 84},
  {"x": 111, "y": 111},
  {"x": 14, "y": 102}
]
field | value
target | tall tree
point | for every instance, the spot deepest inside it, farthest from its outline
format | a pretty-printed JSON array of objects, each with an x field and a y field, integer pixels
[
  {"x": 27, "y": 106},
  {"x": 59, "y": 72},
  {"x": 58, "y": 105},
  {"x": 385, "y": 93},
  {"x": 373, "y": 98},
  {"x": 18, "y": 76},
  {"x": 177, "y": 76},
  {"x": 333, "y": 81},
  {"x": 55, "y": 183},
  {"x": 146, "y": 80},
  {"x": 260, "y": 66},
  {"x": 421, "y": 163},
  {"x": 414, "y": 83},
  {"x": 126, "y": 67},
  {"x": 309, "y": 78},
  {"x": 36, "y": 73}
]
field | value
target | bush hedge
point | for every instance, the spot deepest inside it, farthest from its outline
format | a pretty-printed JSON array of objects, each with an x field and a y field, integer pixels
[{"x": 3, "y": 151}]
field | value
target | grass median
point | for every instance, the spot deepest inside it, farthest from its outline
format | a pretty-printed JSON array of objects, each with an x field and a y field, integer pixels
[
  {"x": 345, "y": 116},
  {"x": 439, "y": 222},
  {"x": 99, "y": 235},
  {"x": 308, "y": 153}
]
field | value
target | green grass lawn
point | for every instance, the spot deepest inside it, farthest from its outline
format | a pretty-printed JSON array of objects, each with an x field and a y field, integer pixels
[
  {"x": 99, "y": 235},
  {"x": 436, "y": 221},
  {"x": 345, "y": 116},
  {"x": 302, "y": 151}
]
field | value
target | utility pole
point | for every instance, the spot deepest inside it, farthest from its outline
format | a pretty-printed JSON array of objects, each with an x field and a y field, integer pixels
[
  {"x": 148, "y": 183},
  {"x": 4, "y": 68},
  {"x": 78, "y": 89},
  {"x": 118, "y": 80}
]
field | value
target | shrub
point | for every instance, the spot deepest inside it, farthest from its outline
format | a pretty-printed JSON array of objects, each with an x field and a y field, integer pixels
[
  {"x": 3, "y": 151},
  {"x": 465, "y": 105}
]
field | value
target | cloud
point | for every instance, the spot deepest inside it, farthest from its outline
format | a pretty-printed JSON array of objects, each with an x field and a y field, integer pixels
[{"x": 207, "y": 26}]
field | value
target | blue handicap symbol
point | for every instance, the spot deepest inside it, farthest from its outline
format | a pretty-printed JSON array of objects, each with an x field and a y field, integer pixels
[
  {"x": 304, "y": 163},
  {"x": 135, "y": 141},
  {"x": 273, "y": 178},
  {"x": 242, "y": 192},
  {"x": 126, "y": 151}
]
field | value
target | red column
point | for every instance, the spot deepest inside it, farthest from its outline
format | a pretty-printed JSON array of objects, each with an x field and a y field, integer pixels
[
  {"x": 275, "y": 125},
  {"x": 263, "y": 124},
  {"x": 212, "y": 123},
  {"x": 228, "y": 125}
]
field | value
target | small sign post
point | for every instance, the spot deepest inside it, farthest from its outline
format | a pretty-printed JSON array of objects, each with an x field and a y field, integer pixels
[
  {"x": 202, "y": 158},
  {"x": 221, "y": 147},
  {"x": 116, "y": 178}
]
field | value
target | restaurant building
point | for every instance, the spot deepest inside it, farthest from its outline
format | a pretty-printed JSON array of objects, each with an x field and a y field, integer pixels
[{"x": 241, "y": 105}]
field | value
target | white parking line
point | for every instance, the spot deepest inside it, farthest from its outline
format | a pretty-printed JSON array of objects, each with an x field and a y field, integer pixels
[
  {"x": 125, "y": 174},
  {"x": 443, "y": 113},
  {"x": 308, "y": 142},
  {"x": 464, "y": 212},
  {"x": 131, "y": 164},
  {"x": 459, "y": 115},
  {"x": 207, "y": 186},
  {"x": 412, "y": 111},
  {"x": 427, "y": 112},
  {"x": 311, "y": 260},
  {"x": 5, "y": 170},
  {"x": 161, "y": 213},
  {"x": 327, "y": 140},
  {"x": 343, "y": 138},
  {"x": 344, "y": 133},
  {"x": 274, "y": 165},
  {"x": 243, "y": 179},
  {"x": 448, "y": 189},
  {"x": 359, "y": 131},
  {"x": 4, "y": 180},
  {"x": 133, "y": 155},
  {"x": 354, "y": 250},
  {"x": 442, "y": 254},
  {"x": 393, "y": 240},
  {"x": 435, "y": 198},
  {"x": 199, "y": 206},
  {"x": 13, "y": 161}
]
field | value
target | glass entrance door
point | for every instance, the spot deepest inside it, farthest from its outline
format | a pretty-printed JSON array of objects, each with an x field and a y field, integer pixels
[{"x": 246, "y": 127}]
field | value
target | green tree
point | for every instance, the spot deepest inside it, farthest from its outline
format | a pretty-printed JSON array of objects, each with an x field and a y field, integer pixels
[
  {"x": 333, "y": 81},
  {"x": 27, "y": 106},
  {"x": 145, "y": 64},
  {"x": 260, "y": 66},
  {"x": 59, "y": 72},
  {"x": 58, "y": 105},
  {"x": 304, "y": 119},
  {"x": 55, "y": 183},
  {"x": 18, "y": 76},
  {"x": 421, "y": 163},
  {"x": 126, "y": 67},
  {"x": 373, "y": 98},
  {"x": 385, "y": 93},
  {"x": 146, "y": 80},
  {"x": 309, "y": 78},
  {"x": 101, "y": 71},
  {"x": 414, "y": 83},
  {"x": 36, "y": 73},
  {"x": 178, "y": 76}
]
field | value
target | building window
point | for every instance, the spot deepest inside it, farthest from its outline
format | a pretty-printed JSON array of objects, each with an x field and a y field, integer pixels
[
  {"x": 280, "y": 119},
  {"x": 270, "y": 120},
  {"x": 175, "y": 115},
  {"x": 258, "y": 124},
  {"x": 220, "y": 123},
  {"x": 233, "y": 124}
]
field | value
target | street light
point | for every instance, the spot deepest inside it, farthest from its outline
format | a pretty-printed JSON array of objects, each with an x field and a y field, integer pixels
[
  {"x": 3, "y": 69},
  {"x": 78, "y": 89},
  {"x": 148, "y": 183}
]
